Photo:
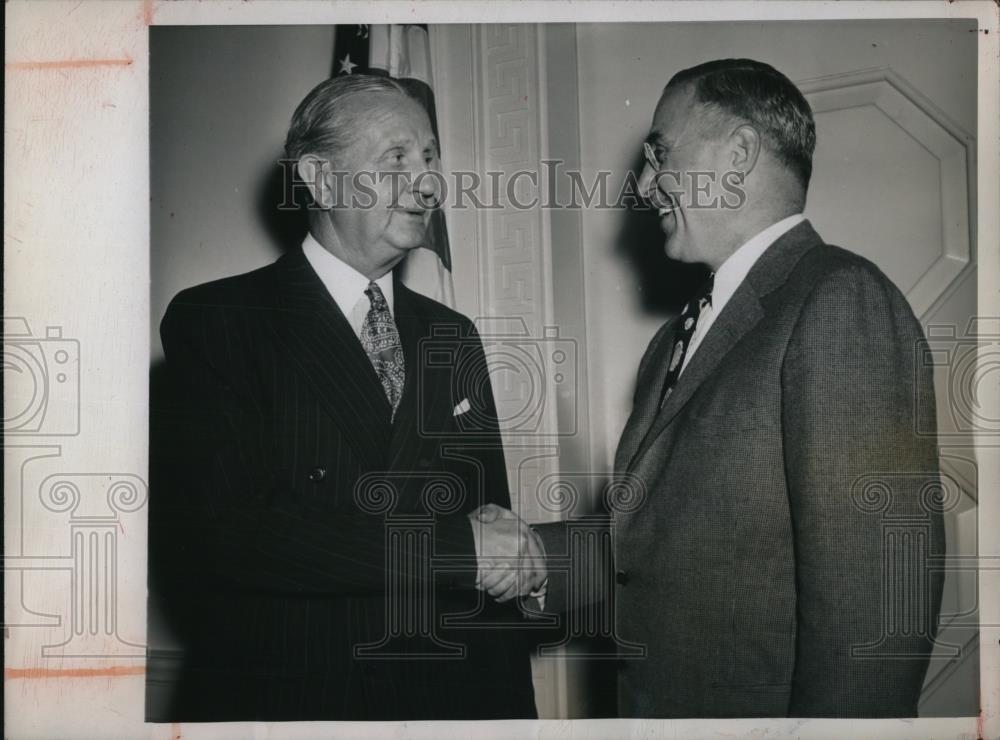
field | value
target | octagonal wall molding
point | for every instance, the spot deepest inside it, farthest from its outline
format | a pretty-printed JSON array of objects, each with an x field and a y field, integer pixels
[{"x": 936, "y": 132}]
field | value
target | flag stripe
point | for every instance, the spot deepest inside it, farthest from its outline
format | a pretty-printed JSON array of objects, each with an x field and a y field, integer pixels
[{"x": 401, "y": 50}]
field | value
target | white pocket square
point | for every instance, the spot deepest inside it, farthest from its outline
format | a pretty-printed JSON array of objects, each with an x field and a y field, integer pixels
[{"x": 462, "y": 407}]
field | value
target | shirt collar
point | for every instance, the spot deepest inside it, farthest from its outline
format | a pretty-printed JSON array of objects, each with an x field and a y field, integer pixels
[
  {"x": 734, "y": 270},
  {"x": 344, "y": 284}
]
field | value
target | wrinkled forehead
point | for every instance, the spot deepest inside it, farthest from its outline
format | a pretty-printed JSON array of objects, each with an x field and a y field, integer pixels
[
  {"x": 381, "y": 114},
  {"x": 674, "y": 110}
]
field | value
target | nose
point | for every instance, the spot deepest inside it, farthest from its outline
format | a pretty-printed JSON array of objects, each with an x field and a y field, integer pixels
[
  {"x": 647, "y": 181},
  {"x": 425, "y": 183}
]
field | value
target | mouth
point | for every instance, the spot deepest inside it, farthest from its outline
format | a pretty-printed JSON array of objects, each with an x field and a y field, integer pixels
[
  {"x": 411, "y": 213},
  {"x": 665, "y": 203},
  {"x": 668, "y": 218}
]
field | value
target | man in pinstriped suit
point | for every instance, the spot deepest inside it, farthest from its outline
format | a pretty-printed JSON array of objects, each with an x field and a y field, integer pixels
[{"x": 299, "y": 390}]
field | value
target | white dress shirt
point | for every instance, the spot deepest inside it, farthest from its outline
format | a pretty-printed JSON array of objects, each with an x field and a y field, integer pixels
[
  {"x": 731, "y": 275},
  {"x": 345, "y": 285}
]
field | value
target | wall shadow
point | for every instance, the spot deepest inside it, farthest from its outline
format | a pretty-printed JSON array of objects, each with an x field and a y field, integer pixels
[
  {"x": 665, "y": 285},
  {"x": 281, "y": 204},
  {"x": 169, "y": 612}
]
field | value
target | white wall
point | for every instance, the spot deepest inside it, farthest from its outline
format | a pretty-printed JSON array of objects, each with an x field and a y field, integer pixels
[
  {"x": 221, "y": 99},
  {"x": 622, "y": 70}
]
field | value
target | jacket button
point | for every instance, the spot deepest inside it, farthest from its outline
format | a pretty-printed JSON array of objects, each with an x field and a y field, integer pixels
[
  {"x": 621, "y": 577},
  {"x": 317, "y": 474}
]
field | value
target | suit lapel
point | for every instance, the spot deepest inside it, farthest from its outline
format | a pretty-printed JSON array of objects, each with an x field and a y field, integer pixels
[
  {"x": 738, "y": 317},
  {"x": 743, "y": 311},
  {"x": 425, "y": 393},
  {"x": 647, "y": 400},
  {"x": 324, "y": 348}
]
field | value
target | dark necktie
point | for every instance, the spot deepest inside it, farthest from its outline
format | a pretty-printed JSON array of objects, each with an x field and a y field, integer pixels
[
  {"x": 682, "y": 339},
  {"x": 380, "y": 340}
]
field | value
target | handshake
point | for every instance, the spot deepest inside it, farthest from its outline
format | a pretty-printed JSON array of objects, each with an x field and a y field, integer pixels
[{"x": 510, "y": 555}]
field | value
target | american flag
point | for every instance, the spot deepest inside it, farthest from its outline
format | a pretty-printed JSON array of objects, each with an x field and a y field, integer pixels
[{"x": 402, "y": 51}]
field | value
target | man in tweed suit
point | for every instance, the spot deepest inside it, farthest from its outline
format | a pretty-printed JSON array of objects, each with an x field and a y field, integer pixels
[
  {"x": 772, "y": 439},
  {"x": 305, "y": 411}
]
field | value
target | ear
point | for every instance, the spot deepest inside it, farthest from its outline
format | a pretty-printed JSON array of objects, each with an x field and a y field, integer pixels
[
  {"x": 314, "y": 172},
  {"x": 745, "y": 141}
]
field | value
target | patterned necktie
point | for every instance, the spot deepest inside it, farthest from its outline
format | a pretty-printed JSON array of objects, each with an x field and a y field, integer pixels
[
  {"x": 686, "y": 325},
  {"x": 380, "y": 340}
]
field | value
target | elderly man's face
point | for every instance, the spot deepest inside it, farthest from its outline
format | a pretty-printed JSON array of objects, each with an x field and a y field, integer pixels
[
  {"x": 679, "y": 147},
  {"x": 386, "y": 212}
]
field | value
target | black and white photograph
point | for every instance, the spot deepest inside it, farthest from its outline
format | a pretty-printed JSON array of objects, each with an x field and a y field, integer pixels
[{"x": 568, "y": 366}]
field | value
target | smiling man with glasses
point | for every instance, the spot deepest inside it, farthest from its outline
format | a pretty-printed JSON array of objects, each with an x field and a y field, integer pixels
[{"x": 772, "y": 441}]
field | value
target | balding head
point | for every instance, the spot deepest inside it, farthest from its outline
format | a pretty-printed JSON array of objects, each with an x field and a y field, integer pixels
[{"x": 734, "y": 91}]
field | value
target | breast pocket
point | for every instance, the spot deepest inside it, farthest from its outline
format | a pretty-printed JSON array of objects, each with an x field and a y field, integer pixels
[{"x": 720, "y": 420}]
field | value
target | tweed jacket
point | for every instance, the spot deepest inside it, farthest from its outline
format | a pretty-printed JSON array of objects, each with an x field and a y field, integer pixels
[{"x": 760, "y": 572}]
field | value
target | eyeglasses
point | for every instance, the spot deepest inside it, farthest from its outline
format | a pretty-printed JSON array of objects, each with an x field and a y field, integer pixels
[{"x": 651, "y": 156}]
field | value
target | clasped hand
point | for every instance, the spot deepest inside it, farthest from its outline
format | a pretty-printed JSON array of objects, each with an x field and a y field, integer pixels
[{"x": 510, "y": 555}]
